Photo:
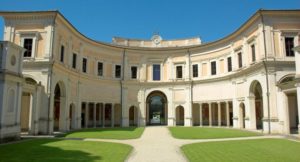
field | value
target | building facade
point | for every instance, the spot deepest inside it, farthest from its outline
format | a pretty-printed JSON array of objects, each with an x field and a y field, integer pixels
[{"x": 246, "y": 80}]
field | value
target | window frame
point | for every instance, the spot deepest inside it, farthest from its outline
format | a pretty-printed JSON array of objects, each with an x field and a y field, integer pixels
[
  {"x": 115, "y": 71},
  {"x": 74, "y": 65},
  {"x": 131, "y": 74},
  {"x": 240, "y": 59},
  {"x": 253, "y": 52},
  {"x": 153, "y": 72},
  {"x": 97, "y": 69},
  {"x": 84, "y": 67},
  {"x": 229, "y": 69},
  {"x": 197, "y": 67},
  {"x": 285, "y": 46},
  {"x": 176, "y": 71},
  {"x": 62, "y": 53},
  {"x": 211, "y": 68},
  {"x": 29, "y": 35}
]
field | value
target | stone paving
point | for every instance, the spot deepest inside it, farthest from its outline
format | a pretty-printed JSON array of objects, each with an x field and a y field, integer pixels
[{"x": 157, "y": 145}]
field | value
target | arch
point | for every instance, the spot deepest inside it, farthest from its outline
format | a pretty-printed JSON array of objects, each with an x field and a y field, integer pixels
[
  {"x": 72, "y": 117},
  {"x": 133, "y": 116},
  {"x": 29, "y": 80},
  {"x": 242, "y": 115},
  {"x": 179, "y": 115},
  {"x": 156, "y": 109},
  {"x": 59, "y": 106},
  {"x": 256, "y": 106}
]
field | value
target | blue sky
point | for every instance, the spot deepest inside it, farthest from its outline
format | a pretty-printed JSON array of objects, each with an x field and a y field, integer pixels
[{"x": 173, "y": 19}]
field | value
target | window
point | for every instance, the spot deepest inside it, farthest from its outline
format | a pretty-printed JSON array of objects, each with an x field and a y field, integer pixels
[
  {"x": 133, "y": 72},
  {"x": 118, "y": 71},
  {"x": 289, "y": 45},
  {"x": 195, "y": 70},
  {"x": 240, "y": 59},
  {"x": 179, "y": 72},
  {"x": 156, "y": 72},
  {"x": 28, "y": 43},
  {"x": 100, "y": 69},
  {"x": 62, "y": 52},
  {"x": 74, "y": 60},
  {"x": 213, "y": 68},
  {"x": 229, "y": 64},
  {"x": 84, "y": 64},
  {"x": 253, "y": 53}
]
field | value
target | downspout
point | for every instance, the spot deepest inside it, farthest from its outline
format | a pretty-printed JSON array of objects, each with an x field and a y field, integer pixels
[
  {"x": 192, "y": 83},
  {"x": 121, "y": 84},
  {"x": 266, "y": 70},
  {"x": 49, "y": 87}
]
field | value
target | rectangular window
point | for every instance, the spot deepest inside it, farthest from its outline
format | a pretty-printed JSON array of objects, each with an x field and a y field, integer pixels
[
  {"x": 28, "y": 46},
  {"x": 213, "y": 68},
  {"x": 253, "y": 53},
  {"x": 240, "y": 59},
  {"x": 195, "y": 70},
  {"x": 178, "y": 72},
  {"x": 100, "y": 69},
  {"x": 289, "y": 45},
  {"x": 118, "y": 71},
  {"x": 74, "y": 60},
  {"x": 62, "y": 52},
  {"x": 133, "y": 72},
  {"x": 156, "y": 72},
  {"x": 84, "y": 64},
  {"x": 229, "y": 64}
]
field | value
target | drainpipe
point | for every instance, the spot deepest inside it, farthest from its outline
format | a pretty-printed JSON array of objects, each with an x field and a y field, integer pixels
[
  {"x": 121, "y": 84},
  {"x": 49, "y": 86},
  {"x": 266, "y": 70},
  {"x": 192, "y": 83}
]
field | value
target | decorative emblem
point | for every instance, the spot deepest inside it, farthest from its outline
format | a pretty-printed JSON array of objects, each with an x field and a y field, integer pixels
[{"x": 156, "y": 39}]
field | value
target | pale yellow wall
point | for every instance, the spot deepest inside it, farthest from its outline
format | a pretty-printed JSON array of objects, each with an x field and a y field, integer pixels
[
  {"x": 221, "y": 67},
  {"x": 204, "y": 69}
]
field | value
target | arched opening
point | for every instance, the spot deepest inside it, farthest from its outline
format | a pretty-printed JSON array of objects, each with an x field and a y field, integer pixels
[
  {"x": 56, "y": 113},
  {"x": 196, "y": 114},
  {"x": 25, "y": 112},
  {"x": 242, "y": 115},
  {"x": 156, "y": 111},
  {"x": 205, "y": 114},
  {"x": 179, "y": 115},
  {"x": 72, "y": 116},
  {"x": 256, "y": 94},
  {"x": 133, "y": 116},
  {"x": 287, "y": 85}
]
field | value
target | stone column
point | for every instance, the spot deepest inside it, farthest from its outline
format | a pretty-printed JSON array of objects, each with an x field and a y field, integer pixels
[
  {"x": 94, "y": 115},
  {"x": 103, "y": 115},
  {"x": 112, "y": 115},
  {"x": 219, "y": 114},
  {"x": 227, "y": 114},
  {"x": 201, "y": 119},
  {"x": 210, "y": 114}
]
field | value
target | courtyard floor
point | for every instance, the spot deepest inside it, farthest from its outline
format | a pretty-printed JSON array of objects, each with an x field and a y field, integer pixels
[{"x": 156, "y": 143}]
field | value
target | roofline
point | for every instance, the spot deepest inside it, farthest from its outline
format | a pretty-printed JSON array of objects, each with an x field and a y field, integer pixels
[{"x": 257, "y": 14}]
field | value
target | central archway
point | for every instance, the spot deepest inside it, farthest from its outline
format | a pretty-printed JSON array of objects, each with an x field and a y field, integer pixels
[{"x": 156, "y": 110}]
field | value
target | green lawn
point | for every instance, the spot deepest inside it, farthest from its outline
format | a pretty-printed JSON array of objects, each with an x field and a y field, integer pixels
[
  {"x": 208, "y": 133},
  {"x": 275, "y": 150},
  {"x": 107, "y": 133},
  {"x": 53, "y": 150}
]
